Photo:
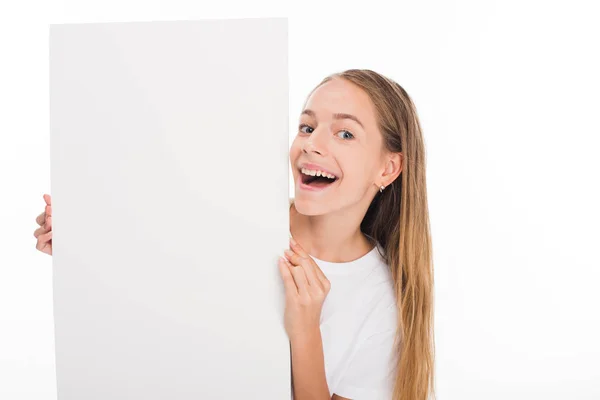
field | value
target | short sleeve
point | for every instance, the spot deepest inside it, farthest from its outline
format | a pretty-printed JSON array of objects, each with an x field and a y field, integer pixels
[{"x": 371, "y": 372}]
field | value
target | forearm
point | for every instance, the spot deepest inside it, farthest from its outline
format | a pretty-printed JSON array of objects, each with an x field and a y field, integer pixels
[{"x": 308, "y": 367}]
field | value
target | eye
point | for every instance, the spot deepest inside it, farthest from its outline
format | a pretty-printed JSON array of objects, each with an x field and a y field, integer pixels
[
  {"x": 304, "y": 126},
  {"x": 348, "y": 132}
]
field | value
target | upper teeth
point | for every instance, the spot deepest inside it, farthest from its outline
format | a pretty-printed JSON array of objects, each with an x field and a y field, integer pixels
[{"x": 313, "y": 172}]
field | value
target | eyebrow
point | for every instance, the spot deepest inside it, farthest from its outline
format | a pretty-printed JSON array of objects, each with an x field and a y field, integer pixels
[{"x": 335, "y": 116}]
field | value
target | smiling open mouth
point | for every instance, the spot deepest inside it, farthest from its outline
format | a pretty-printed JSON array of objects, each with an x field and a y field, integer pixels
[{"x": 317, "y": 181}]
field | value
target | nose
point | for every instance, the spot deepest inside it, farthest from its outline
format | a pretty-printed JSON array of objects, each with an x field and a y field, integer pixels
[{"x": 315, "y": 143}]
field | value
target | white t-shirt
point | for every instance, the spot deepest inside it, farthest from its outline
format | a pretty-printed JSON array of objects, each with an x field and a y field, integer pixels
[{"x": 358, "y": 327}]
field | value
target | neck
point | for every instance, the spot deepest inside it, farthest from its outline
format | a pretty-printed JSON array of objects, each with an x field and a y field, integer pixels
[{"x": 333, "y": 237}]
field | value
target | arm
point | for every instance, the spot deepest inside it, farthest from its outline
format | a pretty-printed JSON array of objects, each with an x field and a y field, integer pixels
[
  {"x": 306, "y": 288},
  {"x": 308, "y": 367}
]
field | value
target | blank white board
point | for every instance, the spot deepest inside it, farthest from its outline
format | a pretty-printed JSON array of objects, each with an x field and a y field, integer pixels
[{"x": 169, "y": 178}]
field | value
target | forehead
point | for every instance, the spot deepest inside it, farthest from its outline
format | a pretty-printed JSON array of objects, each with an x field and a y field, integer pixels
[{"x": 341, "y": 96}]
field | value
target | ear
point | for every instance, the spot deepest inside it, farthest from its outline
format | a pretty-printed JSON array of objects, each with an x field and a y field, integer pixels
[{"x": 392, "y": 168}]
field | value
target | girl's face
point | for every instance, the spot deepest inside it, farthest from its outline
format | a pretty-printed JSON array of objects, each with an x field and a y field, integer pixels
[{"x": 338, "y": 135}]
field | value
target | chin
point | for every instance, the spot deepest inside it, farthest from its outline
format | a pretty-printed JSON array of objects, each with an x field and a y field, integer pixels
[{"x": 309, "y": 207}]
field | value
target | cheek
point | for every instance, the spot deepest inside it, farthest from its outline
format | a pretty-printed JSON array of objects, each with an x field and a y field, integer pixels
[
  {"x": 295, "y": 144},
  {"x": 294, "y": 153},
  {"x": 357, "y": 176}
]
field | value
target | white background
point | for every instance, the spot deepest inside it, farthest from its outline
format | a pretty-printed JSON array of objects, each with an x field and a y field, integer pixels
[{"x": 507, "y": 93}]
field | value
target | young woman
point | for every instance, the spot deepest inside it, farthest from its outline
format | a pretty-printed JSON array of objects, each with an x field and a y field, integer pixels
[{"x": 358, "y": 275}]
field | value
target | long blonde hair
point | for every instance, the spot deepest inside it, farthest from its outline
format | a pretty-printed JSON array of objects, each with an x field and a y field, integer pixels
[{"x": 398, "y": 219}]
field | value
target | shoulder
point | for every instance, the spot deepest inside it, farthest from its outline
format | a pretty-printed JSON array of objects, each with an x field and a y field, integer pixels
[
  {"x": 376, "y": 305},
  {"x": 384, "y": 309}
]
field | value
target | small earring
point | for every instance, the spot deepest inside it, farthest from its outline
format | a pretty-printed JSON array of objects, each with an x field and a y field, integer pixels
[{"x": 381, "y": 188}]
